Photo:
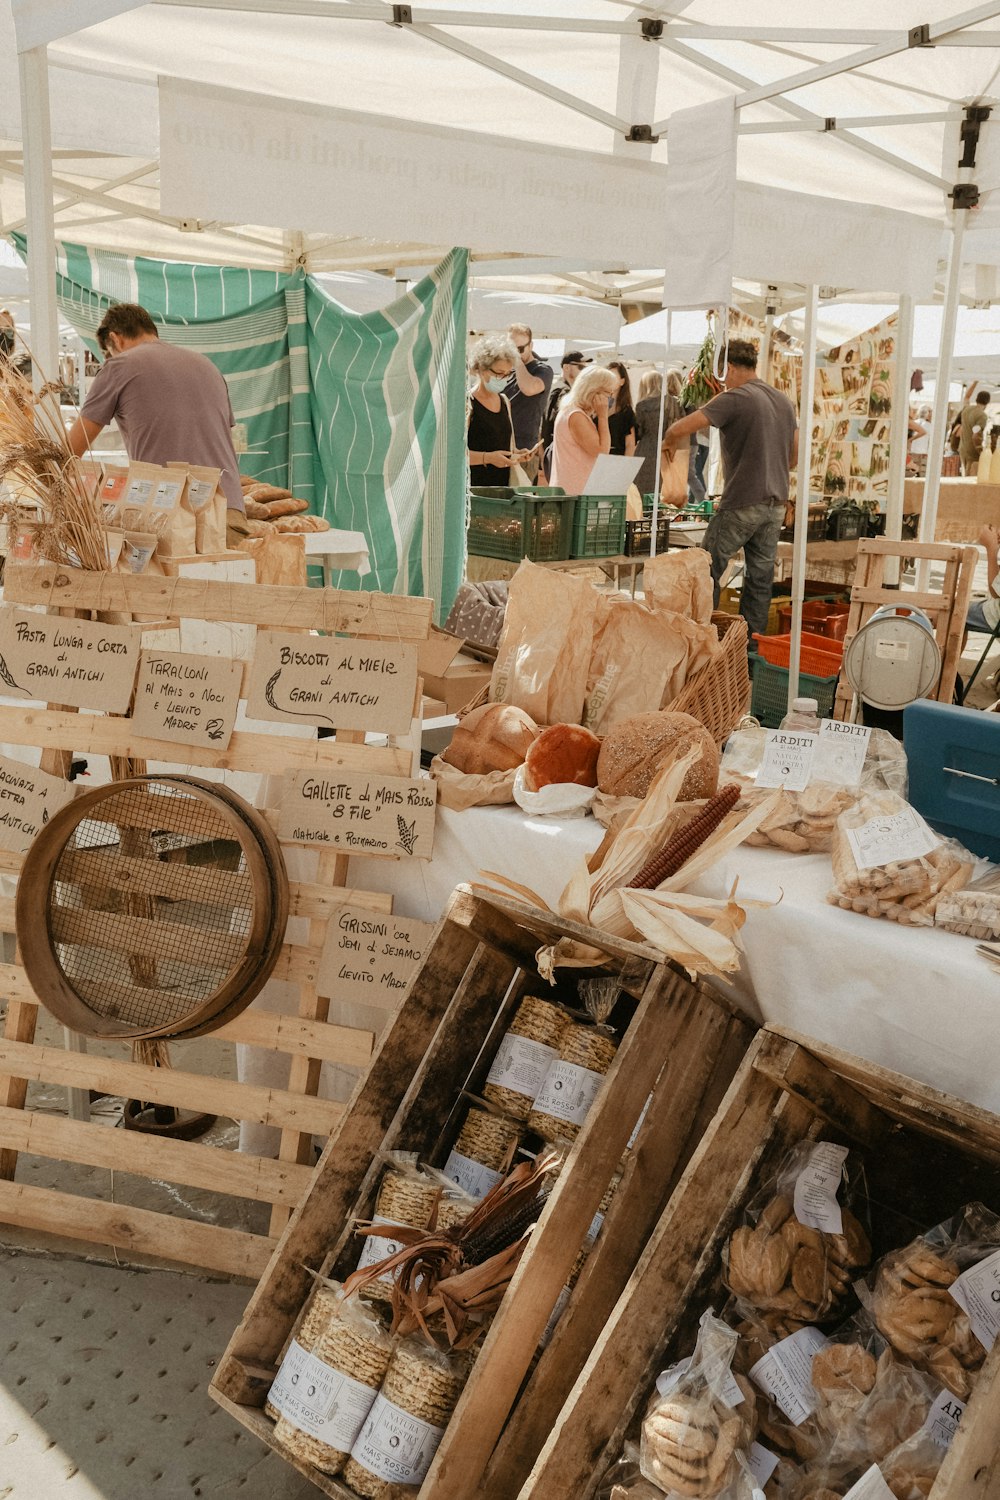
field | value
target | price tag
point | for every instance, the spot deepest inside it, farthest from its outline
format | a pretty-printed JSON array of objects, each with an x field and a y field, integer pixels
[
  {"x": 816, "y": 1189},
  {"x": 977, "y": 1292},
  {"x": 787, "y": 759},
  {"x": 319, "y": 1400},
  {"x": 840, "y": 752},
  {"x": 896, "y": 836},
  {"x": 762, "y": 1463}
]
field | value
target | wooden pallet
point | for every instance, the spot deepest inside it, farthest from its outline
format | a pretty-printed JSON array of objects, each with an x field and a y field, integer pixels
[
  {"x": 307, "y": 1039},
  {"x": 947, "y": 607},
  {"x": 925, "y": 1155},
  {"x": 682, "y": 1045}
]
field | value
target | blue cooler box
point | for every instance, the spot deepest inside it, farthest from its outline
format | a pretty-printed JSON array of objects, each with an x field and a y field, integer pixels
[{"x": 954, "y": 765}]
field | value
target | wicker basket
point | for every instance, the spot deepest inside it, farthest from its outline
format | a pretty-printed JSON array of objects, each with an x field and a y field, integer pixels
[{"x": 719, "y": 695}]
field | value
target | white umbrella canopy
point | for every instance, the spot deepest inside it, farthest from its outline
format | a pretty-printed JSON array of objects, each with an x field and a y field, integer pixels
[{"x": 546, "y": 71}]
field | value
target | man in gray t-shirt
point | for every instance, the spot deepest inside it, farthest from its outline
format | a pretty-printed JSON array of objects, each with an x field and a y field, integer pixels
[
  {"x": 759, "y": 435},
  {"x": 170, "y": 404}
]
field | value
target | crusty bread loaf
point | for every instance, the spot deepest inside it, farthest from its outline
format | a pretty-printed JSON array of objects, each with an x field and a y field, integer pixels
[
  {"x": 297, "y": 524},
  {"x": 289, "y": 507},
  {"x": 255, "y": 510},
  {"x": 495, "y": 737},
  {"x": 259, "y": 528},
  {"x": 247, "y": 482},
  {"x": 561, "y": 753},
  {"x": 261, "y": 491},
  {"x": 634, "y": 750}
]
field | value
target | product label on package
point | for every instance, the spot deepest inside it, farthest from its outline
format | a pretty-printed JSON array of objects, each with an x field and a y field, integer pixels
[
  {"x": 521, "y": 1065},
  {"x": 902, "y": 835},
  {"x": 638, "y": 1124},
  {"x": 840, "y": 752},
  {"x": 377, "y": 1247},
  {"x": 554, "y": 1316},
  {"x": 568, "y": 1092},
  {"x": 762, "y": 1463},
  {"x": 787, "y": 759},
  {"x": 785, "y": 1374},
  {"x": 943, "y": 1418},
  {"x": 395, "y": 1446},
  {"x": 472, "y": 1177},
  {"x": 322, "y": 1402},
  {"x": 871, "y": 1486},
  {"x": 816, "y": 1189},
  {"x": 977, "y": 1292}
]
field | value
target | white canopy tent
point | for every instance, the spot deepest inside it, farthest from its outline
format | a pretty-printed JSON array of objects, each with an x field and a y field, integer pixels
[{"x": 864, "y": 112}]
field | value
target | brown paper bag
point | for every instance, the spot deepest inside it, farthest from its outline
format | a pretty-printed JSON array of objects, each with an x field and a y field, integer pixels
[
  {"x": 279, "y": 558},
  {"x": 207, "y": 504},
  {"x": 674, "y": 479},
  {"x": 638, "y": 654},
  {"x": 680, "y": 581},
  {"x": 702, "y": 643},
  {"x": 544, "y": 652},
  {"x": 458, "y": 790}
]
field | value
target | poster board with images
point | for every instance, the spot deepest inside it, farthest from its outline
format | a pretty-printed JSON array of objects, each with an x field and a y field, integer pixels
[{"x": 852, "y": 416}]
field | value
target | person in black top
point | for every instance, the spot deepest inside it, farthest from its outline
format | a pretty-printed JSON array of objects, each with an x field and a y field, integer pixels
[
  {"x": 492, "y": 448},
  {"x": 527, "y": 391},
  {"x": 622, "y": 418}
]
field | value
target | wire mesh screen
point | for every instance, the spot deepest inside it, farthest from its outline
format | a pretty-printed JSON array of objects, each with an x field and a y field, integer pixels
[{"x": 150, "y": 905}]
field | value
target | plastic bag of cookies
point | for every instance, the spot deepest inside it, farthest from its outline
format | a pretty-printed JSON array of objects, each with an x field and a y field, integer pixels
[
  {"x": 898, "y": 1404},
  {"x": 844, "y": 760},
  {"x": 803, "y": 1242},
  {"x": 701, "y": 1421},
  {"x": 934, "y": 1299}
]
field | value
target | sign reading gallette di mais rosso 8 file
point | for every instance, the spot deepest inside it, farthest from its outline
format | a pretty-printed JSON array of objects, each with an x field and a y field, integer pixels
[{"x": 359, "y": 814}]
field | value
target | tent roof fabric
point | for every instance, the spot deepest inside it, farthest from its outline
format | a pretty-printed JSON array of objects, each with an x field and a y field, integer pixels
[{"x": 536, "y": 70}]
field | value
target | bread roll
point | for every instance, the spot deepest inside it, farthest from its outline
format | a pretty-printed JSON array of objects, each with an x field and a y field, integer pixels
[
  {"x": 561, "y": 753},
  {"x": 635, "y": 750},
  {"x": 495, "y": 737}
]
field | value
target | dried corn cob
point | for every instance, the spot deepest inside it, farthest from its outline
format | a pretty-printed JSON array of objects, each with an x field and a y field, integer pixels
[{"x": 683, "y": 844}]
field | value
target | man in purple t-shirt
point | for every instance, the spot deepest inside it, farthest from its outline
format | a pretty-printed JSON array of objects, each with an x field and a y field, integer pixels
[{"x": 170, "y": 404}]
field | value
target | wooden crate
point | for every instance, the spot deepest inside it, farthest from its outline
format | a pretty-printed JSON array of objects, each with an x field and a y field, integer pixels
[
  {"x": 925, "y": 1154},
  {"x": 678, "y": 1044}
]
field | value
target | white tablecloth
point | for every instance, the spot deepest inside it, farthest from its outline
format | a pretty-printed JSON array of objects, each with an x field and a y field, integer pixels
[{"x": 918, "y": 1001}]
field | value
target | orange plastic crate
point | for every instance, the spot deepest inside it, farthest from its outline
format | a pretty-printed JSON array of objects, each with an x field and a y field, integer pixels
[{"x": 819, "y": 655}]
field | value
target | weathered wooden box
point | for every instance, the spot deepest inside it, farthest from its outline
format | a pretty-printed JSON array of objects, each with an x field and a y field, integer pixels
[
  {"x": 678, "y": 1043},
  {"x": 925, "y": 1155}
]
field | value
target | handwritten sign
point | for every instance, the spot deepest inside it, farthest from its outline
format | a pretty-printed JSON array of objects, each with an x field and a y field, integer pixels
[
  {"x": 369, "y": 956},
  {"x": 28, "y": 799},
  {"x": 363, "y": 814},
  {"x": 192, "y": 699},
  {"x": 82, "y": 663},
  {"x": 340, "y": 684}
]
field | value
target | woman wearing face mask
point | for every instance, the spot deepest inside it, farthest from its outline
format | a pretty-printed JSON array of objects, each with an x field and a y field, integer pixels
[
  {"x": 581, "y": 430},
  {"x": 492, "y": 450}
]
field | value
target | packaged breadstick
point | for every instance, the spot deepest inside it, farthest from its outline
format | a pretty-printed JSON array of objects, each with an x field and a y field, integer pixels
[{"x": 888, "y": 862}]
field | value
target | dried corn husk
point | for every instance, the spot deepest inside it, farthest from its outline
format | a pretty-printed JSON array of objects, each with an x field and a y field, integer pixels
[{"x": 699, "y": 932}]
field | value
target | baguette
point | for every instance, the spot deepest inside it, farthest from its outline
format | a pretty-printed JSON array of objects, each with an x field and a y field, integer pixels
[{"x": 289, "y": 507}]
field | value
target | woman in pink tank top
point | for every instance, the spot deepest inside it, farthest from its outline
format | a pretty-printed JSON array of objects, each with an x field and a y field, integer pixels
[{"x": 576, "y": 442}]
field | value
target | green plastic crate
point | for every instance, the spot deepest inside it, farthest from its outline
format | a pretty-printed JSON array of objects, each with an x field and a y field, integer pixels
[
  {"x": 511, "y": 526},
  {"x": 769, "y": 703},
  {"x": 598, "y": 526}
]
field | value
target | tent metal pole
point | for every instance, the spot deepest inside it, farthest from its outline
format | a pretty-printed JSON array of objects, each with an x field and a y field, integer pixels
[
  {"x": 802, "y": 489},
  {"x": 36, "y": 135},
  {"x": 942, "y": 380},
  {"x": 898, "y": 443}
]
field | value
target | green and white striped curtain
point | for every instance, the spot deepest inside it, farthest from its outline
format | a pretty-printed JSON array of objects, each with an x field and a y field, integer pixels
[
  {"x": 388, "y": 404},
  {"x": 363, "y": 415}
]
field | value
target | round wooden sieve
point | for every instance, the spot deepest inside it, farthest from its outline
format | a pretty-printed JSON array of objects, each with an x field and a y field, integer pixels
[{"x": 154, "y": 907}]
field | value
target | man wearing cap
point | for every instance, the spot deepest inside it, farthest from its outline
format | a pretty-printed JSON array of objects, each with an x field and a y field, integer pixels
[
  {"x": 572, "y": 363},
  {"x": 526, "y": 391},
  {"x": 760, "y": 443}
]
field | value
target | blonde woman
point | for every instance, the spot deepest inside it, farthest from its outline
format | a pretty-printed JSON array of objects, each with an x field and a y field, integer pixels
[
  {"x": 581, "y": 432},
  {"x": 647, "y": 422}
]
